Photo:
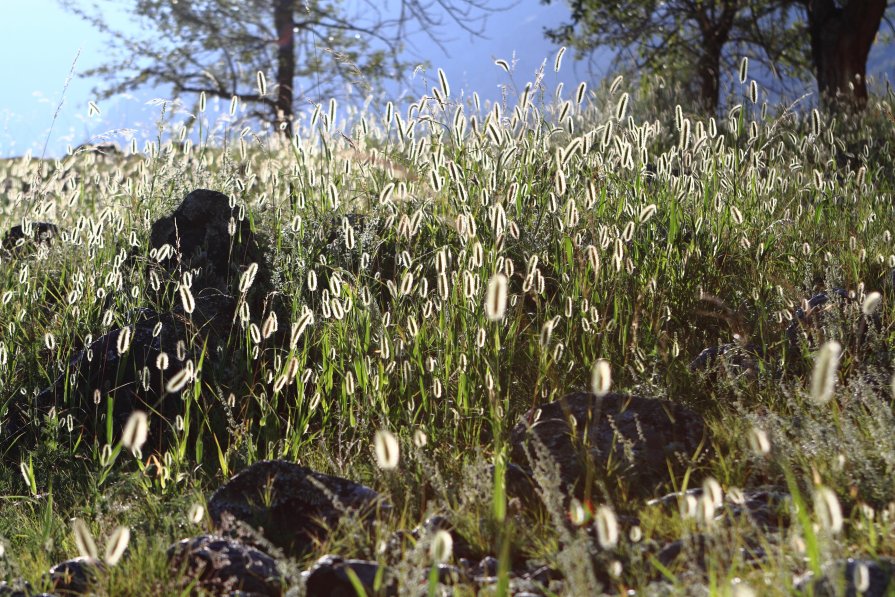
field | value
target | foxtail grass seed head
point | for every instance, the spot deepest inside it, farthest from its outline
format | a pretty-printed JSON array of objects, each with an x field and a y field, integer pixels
[
  {"x": 196, "y": 513},
  {"x": 135, "y": 432},
  {"x": 496, "y": 301},
  {"x": 385, "y": 446},
  {"x": 420, "y": 438},
  {"x": 712, "y": 489},
  {"x": 823, "y": 379},
  {"x": 578, "y": 514},
  {"x": 178, "y": 381},
  {"x": 871, "y": 303},
  {"x": 248, "y": 277},
  {"x": 815, "y": 122},
  {"x": 607, "y": 527},
  {"x": 186, "y": 299},
  {"x": 557, "y": 64},
  {"x": 601, "y": 378},
  {"x": 442, "y": 546},
  {"x": 744, "y": 69},
  {"x": 84, "y": 540},
  {"x": 759, "y": 442},
  {"x": 123, "y": 341},
  {"x": 621, "y": 107},
  {"x": 861, "y": 578},
  {"x": 116, "y": 545},
  {"x": 270, "y": 325},
  {"x": 827, "y": 509},
  {"x": 262, "y": 83}
]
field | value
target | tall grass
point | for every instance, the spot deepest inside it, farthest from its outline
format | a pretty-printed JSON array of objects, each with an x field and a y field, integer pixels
[{"x": 439, "y": 269}]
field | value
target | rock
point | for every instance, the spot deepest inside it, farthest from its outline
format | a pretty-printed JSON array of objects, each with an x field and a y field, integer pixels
[
  {"x": 328, "y": 577},
  {"x": 765, "y": 507},
  {"x": 17, "y": 238},
  {"x": 221, "y": 566},
  {"x": 75, "y": 577},
  {"x": 842, "y": 578},
  {"x": 461, "y": 547},
  {"x": 630, "y": 440},
  {"x": 696, "y": 547},
  {"x": 805, "y": 322},
  {"x": 733, "y": 357},
  {"x": 290, "y": 505},
  {"x": 131, "y": 379},
  {"x": 198, "y": 231},
  {"x": 19, "y": 588}
]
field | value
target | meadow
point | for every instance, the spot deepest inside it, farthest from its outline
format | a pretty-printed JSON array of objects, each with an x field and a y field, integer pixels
[{"x": 431, "y": 273}]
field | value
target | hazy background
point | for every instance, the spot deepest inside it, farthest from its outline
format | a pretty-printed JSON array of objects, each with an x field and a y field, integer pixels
[{"x": 39, "y": 42}]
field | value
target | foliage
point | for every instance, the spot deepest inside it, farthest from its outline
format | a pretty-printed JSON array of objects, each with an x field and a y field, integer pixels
[{"x": 626, "y": 233}]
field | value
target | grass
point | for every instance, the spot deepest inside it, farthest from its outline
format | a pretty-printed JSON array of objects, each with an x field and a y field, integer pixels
[{"x": 621, "y": 239}]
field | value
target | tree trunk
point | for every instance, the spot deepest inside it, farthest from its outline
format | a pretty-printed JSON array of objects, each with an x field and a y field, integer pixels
[
  {"x": 285, "y": 26},
  {"x": 715, "y": 29},
  {"x": 841, "y": 38},
  {"x": 709, "y": 83}
]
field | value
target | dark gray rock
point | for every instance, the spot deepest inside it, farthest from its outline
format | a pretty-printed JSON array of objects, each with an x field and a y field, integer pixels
[
  {"x": 841, "y": 578},
  {"x": 75, "y": 577},
  {"x": 16, "y": 240},
  {"x": 328, "y": 577},
  {"x": 288, "y": 504},
  {"x": 626, "y": 439},
  {"x": 132, "y": 379},
  {"x": 221, "y": 566},
  {"x": 198, "y": 231},
  {"x": 733, "y": 357},
  {"x": 765, "y": 507}
]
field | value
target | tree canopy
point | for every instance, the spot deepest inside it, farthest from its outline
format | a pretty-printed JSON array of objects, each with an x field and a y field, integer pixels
[
  {"x": 696, "y": 42},
  {"x": 309, "y": 50}
]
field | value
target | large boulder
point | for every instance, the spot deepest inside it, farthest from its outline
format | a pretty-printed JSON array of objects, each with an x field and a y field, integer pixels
[
  {"x": 628, "y": 442},
  {"x": 132, "y": 379},
  {"x": 220, "y": 566},
  {"x": 198, "y": 232},
  {"x": 195, "y": 238},
  {"x": 288, "y": 504},
  {"x": 19, "y": 239}
]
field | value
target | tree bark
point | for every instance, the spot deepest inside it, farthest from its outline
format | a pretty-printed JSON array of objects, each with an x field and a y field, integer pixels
[
  {"x": 284, "y": 23},
  {"x": 715, "y": 29},
  {"x": 841, "y": 38},
  {"x": 709, "y": 83}
]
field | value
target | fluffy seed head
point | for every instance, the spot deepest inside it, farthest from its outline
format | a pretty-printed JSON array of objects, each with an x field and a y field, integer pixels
[
  {"x": 442, "y": 546},
  {"x": 116, "y": 545},
  {"x": 871, "y": 303},
  {"x": 607, "y": 527},
  {"x": 496, "y": 301},
  {"x": 828, "y": 510},
  {"x": 84, "y": 540},
  {"x": 823, "y": 380},
  {"x": 135, "y": 431},
  {"x": 385, "y": 445},
  {"x": 601, "y": 378}
]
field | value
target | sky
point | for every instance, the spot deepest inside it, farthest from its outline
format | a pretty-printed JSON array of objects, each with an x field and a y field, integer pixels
[
  {"x": 44, "y": 48},
  {"x": 43, "y": 45}
]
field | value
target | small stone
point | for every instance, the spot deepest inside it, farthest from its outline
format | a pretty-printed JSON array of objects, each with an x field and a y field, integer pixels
[
  {"x": 221, "y": 566},
  {"x": 328, "y": 577}
]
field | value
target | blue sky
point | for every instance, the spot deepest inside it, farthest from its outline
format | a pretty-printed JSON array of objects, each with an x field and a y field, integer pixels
[{"x": 40, "y": 42}]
